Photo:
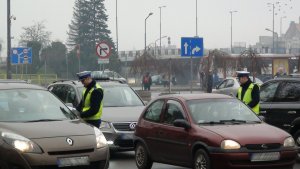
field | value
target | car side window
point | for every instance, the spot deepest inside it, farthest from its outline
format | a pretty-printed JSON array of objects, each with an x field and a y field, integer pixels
[
  {"x": 268, "y": 91},
  {"x": 58, "y": 91},
  {"x": 289, "y": 92},
  {"x": 223, "y": 84},
  {"x": 230, "y": 83},
  {"x": 153, "y": 112},
  {"x": 173, "y": 112},
  {"x": 71, "y": 96}
]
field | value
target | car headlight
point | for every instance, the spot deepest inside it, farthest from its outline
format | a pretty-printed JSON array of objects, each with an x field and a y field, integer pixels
[
  {"x": 230, "y": 145},
  {"x": 289, "y": 142},
  {"x": 105, "y": 125},
  {"x": 100, "y": 139},
  {"x": 21, "y": 143}
]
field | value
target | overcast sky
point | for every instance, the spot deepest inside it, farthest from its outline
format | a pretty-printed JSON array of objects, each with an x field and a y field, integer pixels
[{"x": 178, "y": 20}]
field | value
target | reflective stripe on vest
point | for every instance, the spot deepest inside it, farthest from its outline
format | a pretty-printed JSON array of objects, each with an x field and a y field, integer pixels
[
  {"x": 247, "y": 97},
  {"x": 87, "y": 103}
]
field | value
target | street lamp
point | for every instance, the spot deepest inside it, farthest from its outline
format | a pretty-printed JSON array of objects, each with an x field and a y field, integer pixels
[
  {"x": 160, "y": 27},
  {"x": 9, "y": 17},
  {"x": 196, "y": 18},
  {"x": 160, "y": 44},
  {"x": 146, "y": 28},
  {"x": 231, "y": 12},
  {"x": 117, "y": 28},
  {"x": 275, "y": 51},
  {"x": 273, "y": 11},
  {"x": 281, "y": 24}
]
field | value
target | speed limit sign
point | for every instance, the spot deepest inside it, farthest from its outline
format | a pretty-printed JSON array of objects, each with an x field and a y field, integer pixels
[{"x": 103, "y": 50}]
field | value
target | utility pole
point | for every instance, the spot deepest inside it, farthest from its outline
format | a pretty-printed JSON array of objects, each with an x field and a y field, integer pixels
[
  {"x": 231, "y": 12},
  {"x": 8, "y": 64},
  {"x": 160, "y": 27}
]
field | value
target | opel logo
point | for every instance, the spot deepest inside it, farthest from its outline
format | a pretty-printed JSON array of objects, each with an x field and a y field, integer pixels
[
  {"x": 69, "y": 141},
  {"x": 264, "y": 146},
  {"x": 132, "y": 126}
]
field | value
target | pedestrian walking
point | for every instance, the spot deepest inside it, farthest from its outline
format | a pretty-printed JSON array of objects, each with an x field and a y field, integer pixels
[{"x": 147, "y": 81}]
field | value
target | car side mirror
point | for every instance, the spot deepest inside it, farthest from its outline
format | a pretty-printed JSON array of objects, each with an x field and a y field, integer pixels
[{"x": 182, "y": 123}]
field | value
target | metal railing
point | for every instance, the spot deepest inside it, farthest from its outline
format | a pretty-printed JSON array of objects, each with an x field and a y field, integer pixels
[{"x": 40, "y": 79}]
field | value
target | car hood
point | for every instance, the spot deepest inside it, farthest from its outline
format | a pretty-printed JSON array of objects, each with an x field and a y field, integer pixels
[
  {"x": 35, "y": 130},
  {"x": 121, "y": 114},
  {"x": 250, "y": 133}
]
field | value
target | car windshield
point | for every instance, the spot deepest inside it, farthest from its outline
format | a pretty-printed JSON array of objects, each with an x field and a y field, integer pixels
[
  {"x": 22, "y": 105},
  {"x": 119, "y": 96},
  {"x": 104, "y": 74},
  {"x": 216, "y": 111}
]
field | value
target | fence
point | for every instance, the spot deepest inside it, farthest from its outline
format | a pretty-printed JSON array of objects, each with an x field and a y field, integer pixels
[{"x": 40, "y": 79}]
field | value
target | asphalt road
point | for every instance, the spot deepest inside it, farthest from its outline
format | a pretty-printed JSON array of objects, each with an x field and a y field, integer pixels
[{"x": 125, "y": 160}]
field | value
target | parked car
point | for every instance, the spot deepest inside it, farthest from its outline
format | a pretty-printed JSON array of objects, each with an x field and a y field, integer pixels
[
  {"x": 230, "y": 85},
  {"x": 209, "y": 131},
  {"x": 121, "y": 109},
  {"x": 157, "y": 79},
  {"x": 108, "y": 74},
  {"x": 279, "y": 104},
  {"x": 38, "y": 131}
]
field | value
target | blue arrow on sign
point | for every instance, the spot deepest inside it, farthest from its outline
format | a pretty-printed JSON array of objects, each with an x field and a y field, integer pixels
[{"x": 192, "y": 46}]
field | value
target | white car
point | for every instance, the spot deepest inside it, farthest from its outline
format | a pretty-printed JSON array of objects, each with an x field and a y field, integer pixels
[{"x": 230, "y": 85}]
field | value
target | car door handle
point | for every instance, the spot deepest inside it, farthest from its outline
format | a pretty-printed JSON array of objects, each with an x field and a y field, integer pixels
[
  {"x": 286, "y": 125},
  {"x": 263, "y": 112},
  {"x": 292, "y": 112}
]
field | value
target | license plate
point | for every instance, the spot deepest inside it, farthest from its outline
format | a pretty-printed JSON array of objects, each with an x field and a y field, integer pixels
[
  {"x": 73, "y": 161},
  {"x": 271, "y": 156}
]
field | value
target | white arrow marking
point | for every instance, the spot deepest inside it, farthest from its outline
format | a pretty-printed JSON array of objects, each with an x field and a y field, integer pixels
[
  {"x": 185, "y": 48},
  {"x": 196, "y": 49}
]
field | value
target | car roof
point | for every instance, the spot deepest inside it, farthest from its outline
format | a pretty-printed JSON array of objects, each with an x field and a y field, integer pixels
[
  {"x": 284, "y": 79},
  {"x": 102, "y": 82},
  {"x": 196, "y": 96},
  {"x": 5, "y": 85}
]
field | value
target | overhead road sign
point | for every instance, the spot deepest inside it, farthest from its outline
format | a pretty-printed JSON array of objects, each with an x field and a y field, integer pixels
[
  {"x": 21, "y": 55},
  {"x": 192, "y": 46},
  {"x": 103, "y": 50}
]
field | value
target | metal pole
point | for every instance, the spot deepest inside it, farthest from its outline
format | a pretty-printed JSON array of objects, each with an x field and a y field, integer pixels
[
  {"x": 8, "y": 70},
  {"x": 273, "y": 30},
  {"x": 231, "y": 33},
  {"x": 191, "y": 74},
  {"x": 146, "y": 29},
  {"x": 170, "y": 73},
  {"x": 160, "y": 29},
  {"x": 117, "y": 27},
  {"x": 196, "y": 17}
]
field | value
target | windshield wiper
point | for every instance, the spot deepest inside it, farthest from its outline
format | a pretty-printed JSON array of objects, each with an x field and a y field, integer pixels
[
  {"x": 43, "y": 120},
  {"x": 235, "y": 121},
  {"x": 67, "y": 114},
  {"x": 211, "y": 122}
]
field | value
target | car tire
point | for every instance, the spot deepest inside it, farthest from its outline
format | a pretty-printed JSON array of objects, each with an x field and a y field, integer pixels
[
  {"x": 142, "y": 158},
  {"x": 296, "y": 137},
  {"x": 201, "y": 160}
]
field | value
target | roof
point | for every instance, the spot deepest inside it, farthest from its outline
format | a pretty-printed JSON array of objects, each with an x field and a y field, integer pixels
[
  {"x": 18, "y": 85},
  {"x": 106, "y": 82},
  {"x": 197, "y": 96}
]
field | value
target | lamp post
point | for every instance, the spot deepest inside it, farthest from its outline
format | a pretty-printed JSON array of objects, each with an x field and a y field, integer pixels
[
  {"x": 281, "y": 25},
  {"x": 160, "y": 27},
  {"x": 275, "y": 50},
  {"x": 117, "y": 34},
  {"x": 273, "y": 11},
  {"x": 196, "y": 17},
  {"x": 9, "y": 17},
  {"x": 160, "y": 44},
  {"x": 146, "y": 29},
  {"x": 231, "y": 12}
]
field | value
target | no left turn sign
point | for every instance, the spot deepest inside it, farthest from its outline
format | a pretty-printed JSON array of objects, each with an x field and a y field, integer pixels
[{"x": 103, "y": 50}]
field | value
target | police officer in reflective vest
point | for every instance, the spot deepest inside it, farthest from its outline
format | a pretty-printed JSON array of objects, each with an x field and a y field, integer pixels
[
  {"x": 91, "y": 104},
  {"x": 248, "y": 91}
]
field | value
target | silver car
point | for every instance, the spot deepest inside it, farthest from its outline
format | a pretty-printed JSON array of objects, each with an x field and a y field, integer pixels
[{"x": 230, "y": 85}]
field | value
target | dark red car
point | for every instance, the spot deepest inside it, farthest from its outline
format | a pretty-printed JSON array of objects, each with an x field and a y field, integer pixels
[{"x": 205, "y": 131}]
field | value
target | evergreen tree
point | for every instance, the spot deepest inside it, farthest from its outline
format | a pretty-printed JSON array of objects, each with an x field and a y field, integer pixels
[{"x": 88, "y": 27}]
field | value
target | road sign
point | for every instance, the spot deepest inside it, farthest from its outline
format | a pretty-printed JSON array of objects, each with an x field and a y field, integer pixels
[
  {"x": 21, "y": 55},
  {"x": 103, "y": 50},
  {"x": 192, "y": 46}
]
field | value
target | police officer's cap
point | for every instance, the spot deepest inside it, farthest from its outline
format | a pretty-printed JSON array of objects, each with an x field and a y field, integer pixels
[
  {"x": 242, "y": 73},
  {"x": 83, "y": 75}
]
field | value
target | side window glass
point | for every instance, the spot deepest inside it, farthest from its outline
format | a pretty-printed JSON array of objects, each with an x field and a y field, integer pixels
[
  {"x": 267, "y": 92},
  {"x": 223, "y": 84},
  {"x": 173, "y": 112},
  {"x": 230, "y": 83},
  {"x": 71, "y": 95},
  {"x": 290, "y": 92},
  {"x": 154, "y": 111}
]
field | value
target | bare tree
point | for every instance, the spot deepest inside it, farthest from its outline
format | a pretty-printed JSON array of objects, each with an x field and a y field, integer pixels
[{"x": 36, "y": 33}]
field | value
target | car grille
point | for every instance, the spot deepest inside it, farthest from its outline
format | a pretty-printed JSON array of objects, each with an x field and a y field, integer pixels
[
  {"x": 70, "y": 152},
  {"x": 263, "y": 146},
  {"x": 126, "y": 126}
]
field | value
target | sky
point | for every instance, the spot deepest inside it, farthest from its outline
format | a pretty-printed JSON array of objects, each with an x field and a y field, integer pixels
[{"x": 178, "y": 19}]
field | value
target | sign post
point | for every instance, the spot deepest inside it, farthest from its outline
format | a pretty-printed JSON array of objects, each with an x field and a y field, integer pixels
[
  {"x": 103, "y": 50},
  {"x": 192, "y": 46}
]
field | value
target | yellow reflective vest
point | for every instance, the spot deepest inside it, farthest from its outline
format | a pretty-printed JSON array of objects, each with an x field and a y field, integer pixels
[
  {"x": 248, "y": 98},
  {"x": 87, "y": 103}
]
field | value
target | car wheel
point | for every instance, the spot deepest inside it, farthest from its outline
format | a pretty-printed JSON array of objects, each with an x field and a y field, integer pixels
[
  {"x": 296, "y": 137},
  {"x": 142, "y": 158},
  {"x": 201, "y": 160},
  {"x": 3, "y": 165}
]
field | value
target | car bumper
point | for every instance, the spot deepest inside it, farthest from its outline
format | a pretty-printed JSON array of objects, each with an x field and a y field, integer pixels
[
  {"x": 97, "y": 159},
  {"x": 120, "y": 141},
  {"x": 243, "y": 160}
]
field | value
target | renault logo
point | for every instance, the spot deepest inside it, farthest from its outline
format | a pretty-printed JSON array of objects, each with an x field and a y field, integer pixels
[
  {"x": 132, "y": 126},
  {"x": 69, "y": 141}
]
